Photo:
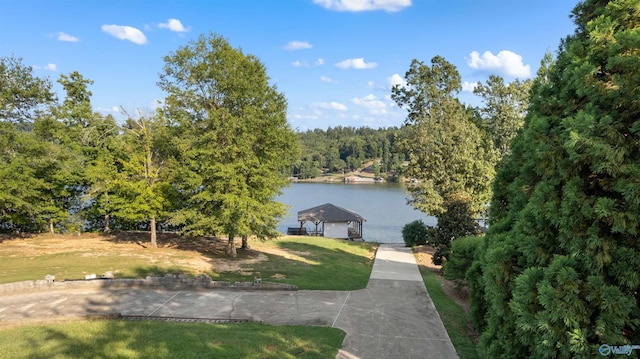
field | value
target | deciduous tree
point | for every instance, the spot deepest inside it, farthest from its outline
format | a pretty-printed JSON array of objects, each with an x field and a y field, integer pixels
[
  {"x": 236, "y": 143},
  {"x": 447, "y": 153},
  {"x": 143, "y": 185},
  {"x": 22, "y": 93},
  {"x": 505, "y": 106}
]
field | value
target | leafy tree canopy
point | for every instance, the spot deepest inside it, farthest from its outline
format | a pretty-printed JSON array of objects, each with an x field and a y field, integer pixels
[
  {"x": 448, "y": 154},
  {"x": 21, "y": 93},
  {"x": 236, "y": 144}
]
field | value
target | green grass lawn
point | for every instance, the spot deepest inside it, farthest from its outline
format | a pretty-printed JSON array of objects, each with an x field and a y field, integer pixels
[
  {"x": 149, "y": 339},
  {"x": 455, "y": 319},
  {"x": 313, "y": 263},
  {"x": 309, "y": 262}
]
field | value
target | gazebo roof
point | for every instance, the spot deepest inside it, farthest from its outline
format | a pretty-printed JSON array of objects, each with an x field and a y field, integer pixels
[{"x": 328, "y": 213}]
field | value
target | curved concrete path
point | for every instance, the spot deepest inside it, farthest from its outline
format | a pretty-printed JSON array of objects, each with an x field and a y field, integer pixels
[{"x": 393, "y": 317}]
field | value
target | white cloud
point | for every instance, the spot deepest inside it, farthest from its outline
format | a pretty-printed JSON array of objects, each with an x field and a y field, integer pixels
[
  {"x": 319, "y": 62},
  {"x": 358, "y": 64},
  {"x": 125, "y": 33},
  {"x": 297, "y": 45},
  {"x": 66, "y": 37},
  {"x": 396, "y": 79},
  {"x": 505, "y": 62},
  {"x": 48, "y": 67},
  {"x": 304, "y": 117},
  {"x": 328, "y": 80},
  {"x": 298, "y": 63},
  {"x": 469, "y": 86},
  {"x": 364, "y": 5},
  {"x": 371, "y": 102},
  {"x": 173, "y": 25},
  {"x": 330, "y": 106}
]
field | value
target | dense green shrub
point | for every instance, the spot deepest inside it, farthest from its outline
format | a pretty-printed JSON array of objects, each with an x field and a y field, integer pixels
[
  {"x": 456, "y": 222},
  {"x": 560, "y": 270},
  {"x": 461, "y": 256},
  {"x": 415, "y": 233}
]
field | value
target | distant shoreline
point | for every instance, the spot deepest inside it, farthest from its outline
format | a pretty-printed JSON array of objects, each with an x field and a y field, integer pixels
[{"x": 351, "y": 179}]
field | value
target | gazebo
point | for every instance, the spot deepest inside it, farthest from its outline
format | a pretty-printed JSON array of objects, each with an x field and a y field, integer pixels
[{"x": 337, "y": 222}]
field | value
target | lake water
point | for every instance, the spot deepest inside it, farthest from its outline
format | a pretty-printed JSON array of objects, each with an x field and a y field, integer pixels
[{"x": 384, "y": 206}]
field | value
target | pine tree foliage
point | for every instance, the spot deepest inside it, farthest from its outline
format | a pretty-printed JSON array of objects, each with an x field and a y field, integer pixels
[{"x": 560, "y": 268}]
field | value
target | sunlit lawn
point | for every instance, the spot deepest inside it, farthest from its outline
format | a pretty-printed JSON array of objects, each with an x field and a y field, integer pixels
[
  {"x": 149, "y": 339},
  {"x": 309, "y": 262},
  {"x": 314, "y": 263}
]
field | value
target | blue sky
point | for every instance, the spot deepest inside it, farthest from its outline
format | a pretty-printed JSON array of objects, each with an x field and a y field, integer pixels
[{"x": 335, "y": 60}]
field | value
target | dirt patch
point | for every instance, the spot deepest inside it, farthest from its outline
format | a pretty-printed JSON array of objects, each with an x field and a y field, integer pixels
[{"x": 452, "y": 289}]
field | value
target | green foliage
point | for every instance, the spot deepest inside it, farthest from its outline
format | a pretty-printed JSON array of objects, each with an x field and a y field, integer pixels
[
  {"x": 448, "y": 153},
  {"x": 214, "y": 160},
  {"x": 143, "y": 186},
  {"x": 461, "y": 256},
  {"x": 347, "y": 148},
  {"x": 454, "y": 317},
  {"x": 456, "y": 222},
  {"x": 558, "y": 277},
  {"x": 505, "y": 106},
  {"x": 235, "y": 143},
  {"x": 415, "y": 233},
  {"x": 21, "y": 157},
  {"x": 22, "y": 95}
]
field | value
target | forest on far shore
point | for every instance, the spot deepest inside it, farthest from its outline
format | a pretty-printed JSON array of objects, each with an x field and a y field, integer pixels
[{"x": 346, "y": 149}]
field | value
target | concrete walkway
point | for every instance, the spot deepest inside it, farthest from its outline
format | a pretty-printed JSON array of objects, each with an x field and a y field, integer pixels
[{"x": 393, "y": 317}]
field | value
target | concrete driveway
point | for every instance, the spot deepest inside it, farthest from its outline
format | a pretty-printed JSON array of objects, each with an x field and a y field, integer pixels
[{"x": 393, "y": 317}]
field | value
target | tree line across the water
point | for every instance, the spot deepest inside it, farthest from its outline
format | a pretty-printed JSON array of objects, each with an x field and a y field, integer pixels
[{"x": 345, "y": 149}]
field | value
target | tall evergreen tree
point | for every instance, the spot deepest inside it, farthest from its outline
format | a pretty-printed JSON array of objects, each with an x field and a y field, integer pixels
[
  {"x": 560, "y": 269},
  {"x": 236, "y": 143}
]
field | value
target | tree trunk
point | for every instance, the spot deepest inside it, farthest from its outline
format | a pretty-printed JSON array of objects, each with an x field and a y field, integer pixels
[
  {"x": 107, "y": 215},
  {"x": 152, "y": 224},
  {"x": 231, "y": 249},
  {"x": 51, "y": 227},
  {"x": 245, "y": 244}
]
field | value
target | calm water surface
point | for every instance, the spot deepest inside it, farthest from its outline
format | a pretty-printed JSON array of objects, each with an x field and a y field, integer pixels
[{"x": 384, "y": 206}]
